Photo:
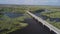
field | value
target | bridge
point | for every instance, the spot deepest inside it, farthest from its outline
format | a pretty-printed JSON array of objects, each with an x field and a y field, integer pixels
[{"x": 45, "y": 24}]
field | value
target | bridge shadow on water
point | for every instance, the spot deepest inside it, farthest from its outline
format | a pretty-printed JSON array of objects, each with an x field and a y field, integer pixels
[{"x": 34, "y": 27}]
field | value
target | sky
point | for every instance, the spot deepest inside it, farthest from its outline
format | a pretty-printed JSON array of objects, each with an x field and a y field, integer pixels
[{"x": 31, "y": 2}]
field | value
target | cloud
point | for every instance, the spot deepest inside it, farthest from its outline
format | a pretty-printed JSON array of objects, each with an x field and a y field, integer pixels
[
  {"x": 40, "y": 2},
  {"x": 31, "y": 2},
  {"x": 9, "y": 1}
]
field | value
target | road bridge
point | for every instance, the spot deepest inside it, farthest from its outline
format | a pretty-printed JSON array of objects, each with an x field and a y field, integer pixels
[{"x": 45, "y": 24}]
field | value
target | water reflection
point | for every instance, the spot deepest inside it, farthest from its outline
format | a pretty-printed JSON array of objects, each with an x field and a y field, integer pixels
[
  {"x": 55, "y": 19},
  {"x": 13, "y": 15}
]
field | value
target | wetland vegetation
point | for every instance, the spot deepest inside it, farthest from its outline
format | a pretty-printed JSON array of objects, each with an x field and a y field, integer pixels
[{"x": 12, "y": 17}]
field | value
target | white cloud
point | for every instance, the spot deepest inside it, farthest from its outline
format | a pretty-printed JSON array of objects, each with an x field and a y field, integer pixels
[{"x": 37, "y": 2}]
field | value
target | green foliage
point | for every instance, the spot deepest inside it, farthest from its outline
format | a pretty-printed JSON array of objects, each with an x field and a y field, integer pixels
[
  {"x": 53, "y": 14},
  {"x": 11, "y": 24},
  {"x": 56, "y": 24},
  {"x": 10, "y": 9},
  {"x": 8, "y": 25}
]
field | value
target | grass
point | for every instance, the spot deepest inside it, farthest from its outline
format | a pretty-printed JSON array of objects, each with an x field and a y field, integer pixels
[
  {"x": 53, "y": 14},
  {"x": 12, "y": 24},
  {"x": 56, "y": 24},
  {"x": 8, "y": 24}
]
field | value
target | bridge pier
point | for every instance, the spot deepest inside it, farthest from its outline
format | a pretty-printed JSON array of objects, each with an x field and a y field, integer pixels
[
  {"x": 52, "y": 32},
  {"x": 35, "y": 19},
  {"x": 39, "y": 22},
  {"x": 46, "y": 29}
]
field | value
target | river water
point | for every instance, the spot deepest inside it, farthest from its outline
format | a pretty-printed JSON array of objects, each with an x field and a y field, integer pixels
[{"x": 13, "y": 15}]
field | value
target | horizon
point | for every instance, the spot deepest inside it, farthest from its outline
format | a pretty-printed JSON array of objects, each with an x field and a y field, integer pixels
[{"x": 31, "y": 2}]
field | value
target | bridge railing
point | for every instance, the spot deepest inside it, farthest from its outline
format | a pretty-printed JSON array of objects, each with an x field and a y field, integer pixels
[{"x": 51, "y": 27}]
